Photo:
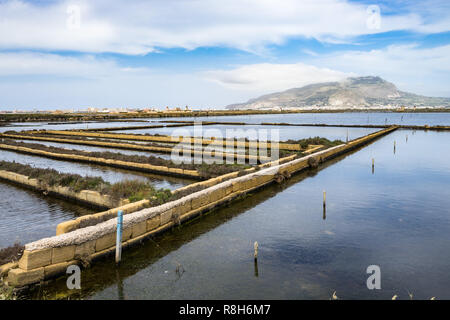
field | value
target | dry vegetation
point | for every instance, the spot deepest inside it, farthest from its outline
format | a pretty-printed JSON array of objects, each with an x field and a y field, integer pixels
[{"x": 134, "y": 190}]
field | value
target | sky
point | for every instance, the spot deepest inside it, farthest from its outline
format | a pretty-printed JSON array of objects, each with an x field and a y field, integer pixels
[{"x": 209, "y": 53}]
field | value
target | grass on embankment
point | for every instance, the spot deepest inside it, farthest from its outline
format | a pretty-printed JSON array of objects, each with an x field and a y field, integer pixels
[
  {"x": 316, "y": 141},
  {"x": 11, "y": 254},
  {"x": 134, "y": 190},
  {"x": 206, "y": 171}
]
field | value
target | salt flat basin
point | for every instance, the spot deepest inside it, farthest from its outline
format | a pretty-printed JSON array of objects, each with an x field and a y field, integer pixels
[
  {"x": 396, "y": 217},
  {"x": 281, "y": 133},
  {"x": 359, "y": 118},
  {"x": 19, "y": 126},
  {"x": 97, "y": 149}
]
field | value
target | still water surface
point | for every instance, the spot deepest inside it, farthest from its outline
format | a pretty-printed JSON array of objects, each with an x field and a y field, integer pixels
[
  {"x": 28, "y": 215},
  {"x": 396, "y": 217}
]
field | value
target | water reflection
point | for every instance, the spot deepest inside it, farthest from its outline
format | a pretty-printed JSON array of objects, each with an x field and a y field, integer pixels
[
  {"x": 397, "y": 219},
  {"x": 28, "y": 215}
]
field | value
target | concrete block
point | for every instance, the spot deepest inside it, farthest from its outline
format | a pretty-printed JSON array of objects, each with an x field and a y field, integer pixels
[
  {"x": 166, "y": 216},
  {"x": 85, "y": 249},
  {"x": 200, "y": 201},
  {"x": 105, "y": 242},
  {"x": 67, "y": 226},
  {"x": 63, "y": 254},
  {"x": 229, "y": 190},
  {"x": 4, "y": 269},
  {"x": 237, "y": 186},
  {"x": 217, "y": 195},
  {"x": 139, "y": 229},
  {"x": 127, "y": 233},
  {"x": 153, "y": 223},
  {"x": 19, "y": 277},
  {"x": 57, "y": 269},
  {"x": 35, "y": 259}
]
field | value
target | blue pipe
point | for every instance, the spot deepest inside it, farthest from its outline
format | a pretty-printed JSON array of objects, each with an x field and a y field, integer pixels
[{"x": 119, "y": 236}]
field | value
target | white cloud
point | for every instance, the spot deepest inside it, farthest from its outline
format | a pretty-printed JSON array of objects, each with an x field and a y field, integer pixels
[
  {"x": 267, "y": 77},
  {"x": 34, "y": 80},
  {"x": 48, "y": 81},
  {"x": 30, "y": 63},
  {"x": 137, "y": 26},
  {"x": 411, "y": 67}
]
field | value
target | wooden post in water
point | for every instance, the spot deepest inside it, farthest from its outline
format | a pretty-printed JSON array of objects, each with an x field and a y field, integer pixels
[
  {"x": 119, "y": 236},
  {"x": 255, "y": 254},
  {"x": 394, "y": 146},
  {"x": 324, "y": 198},
  {"x": 373, "y": 165},
  {"x": 406, "y": 138}
]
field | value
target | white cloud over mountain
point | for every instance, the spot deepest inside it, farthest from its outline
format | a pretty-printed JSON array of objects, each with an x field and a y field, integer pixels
[
  {"x": 273, "y": 77},
  {"x": 419, "y": 70}
]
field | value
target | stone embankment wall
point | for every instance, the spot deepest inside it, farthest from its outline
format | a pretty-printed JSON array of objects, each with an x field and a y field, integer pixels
[
  {"x": 175, "y": 139},
  {"x": 107, "y": 162},
  {"x": 90, "y": 197},
  {"x": 129, "y": 146},
  {"x": 50, "y": 257}
]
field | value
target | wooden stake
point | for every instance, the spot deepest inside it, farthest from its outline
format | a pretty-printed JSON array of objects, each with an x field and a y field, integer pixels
[
  {"x": 324, "y": 198},
  {"x": 255, "y": 246}
]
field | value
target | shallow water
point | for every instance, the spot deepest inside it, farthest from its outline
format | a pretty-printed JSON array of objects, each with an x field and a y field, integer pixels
[
  {"x": 253, "y": 132},
  {"x": 28, "y": 215},
  {"x": 19, "y": 126},
  {"x": 361, "y": 118},
  {"x": 396, "y": 217},
  {"x": 97, "y": 149},
  {"x": 108, "y": 174}
]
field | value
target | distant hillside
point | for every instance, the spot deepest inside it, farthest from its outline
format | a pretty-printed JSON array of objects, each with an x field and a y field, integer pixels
[{"x": 360, "y": 92}]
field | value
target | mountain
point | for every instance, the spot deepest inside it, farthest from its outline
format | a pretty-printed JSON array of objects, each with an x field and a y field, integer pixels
[{"x": 358, "y": 92}]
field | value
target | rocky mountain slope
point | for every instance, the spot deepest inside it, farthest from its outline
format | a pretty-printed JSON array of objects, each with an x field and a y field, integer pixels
[{"x": 360, "y": 92}]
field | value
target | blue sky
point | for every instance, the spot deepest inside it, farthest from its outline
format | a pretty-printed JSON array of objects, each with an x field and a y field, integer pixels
[{"x": 208, "y": 54}]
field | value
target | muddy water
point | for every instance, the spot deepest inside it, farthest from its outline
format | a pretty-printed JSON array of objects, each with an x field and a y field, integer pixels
[{"x": 396, "y": 217}]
